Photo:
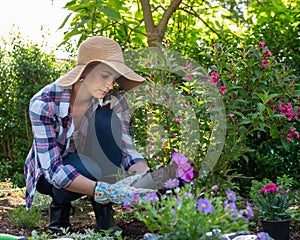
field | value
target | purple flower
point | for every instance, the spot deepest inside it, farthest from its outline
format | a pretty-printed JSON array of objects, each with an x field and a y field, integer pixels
[
  {"x": 231, "y": 207},
  {"x": 215, "y": 187},
  {"x": 188, "y": 195},
  {"x": 126, "y": 205},
  {"x": 205, "y": 206},
  {"x": 231, "y": 195},
  {"x": 260, "y": 236},
  {"x": 151, "y": 197},
  {"x": 247, "y": 213},
  {"x": 172, "y": 183}
]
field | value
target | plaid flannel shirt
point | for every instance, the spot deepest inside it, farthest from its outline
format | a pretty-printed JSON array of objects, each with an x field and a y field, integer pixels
[{"x": 53, "y": 126}]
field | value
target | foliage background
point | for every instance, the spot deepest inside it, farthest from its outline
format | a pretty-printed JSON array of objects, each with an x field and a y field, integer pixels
[{"x": 222, "y": 36}]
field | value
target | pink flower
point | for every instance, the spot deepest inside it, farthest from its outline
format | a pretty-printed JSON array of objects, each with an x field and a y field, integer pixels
[
  {"x": 262, "y": 44},
  {"x": 188, "y": 65},
  {"x": 292, "y": 129},
  {"x": 214, "y": 75},
  {"x": 264, "y": 63},
  {"x": 271, "y": 187},
  {"x": 223, "y": 89},
  {"x": 229, "y": 74},
  {"x": 231, "y": 115},
  {"x": 289, "y": 137},
  {"x": 185, "y": 172},
  {"x": 179, "y": 159},
  {"x": 281, "y": 192},
  {"x": 188, "y": 76},
  {"x": 177, "y": 120},
  {"x": 213, "y": 81},
  {"x": 268, "y": 53}
]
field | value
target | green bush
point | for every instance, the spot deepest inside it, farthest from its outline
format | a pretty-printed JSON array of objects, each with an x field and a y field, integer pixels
[
  {"x": 26, "y": 218},
  {"x": 24, "y": 70}
]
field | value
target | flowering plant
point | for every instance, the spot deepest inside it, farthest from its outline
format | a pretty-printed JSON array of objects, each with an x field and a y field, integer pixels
[
  {"x": 192, "y": 211},
  {"x": 274, "y": 201}
]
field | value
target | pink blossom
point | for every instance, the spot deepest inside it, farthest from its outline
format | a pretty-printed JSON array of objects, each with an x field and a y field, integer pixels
[
  {"x": 177, "y": 120},
  {"x": 271, "y": 187},
  {"x": 264, "y": 63},
  {"x": 214, "y": 75},
  {"x": 287, "y": 110},
  {"x": 262, "y": 44},
  {"x": 213, "y": 81},
  {"x": 281, "y": 192},
  {"x": 229, "y": 74},
  {"x": 179, "y": 159},
  {"x": 188, "y": 65},
  {"x": 231, "y": 115},
  {"x": 185, "y": 172},
  {"x": 289, "y": 137},
  {"x": 292, "y": 129},
  {"x": 188, "y": 76},
  {"x": 268, "y": 53},
  {"x": 223, "y": 89}
]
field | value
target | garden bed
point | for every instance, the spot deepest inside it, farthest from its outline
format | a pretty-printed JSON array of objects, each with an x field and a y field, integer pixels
[{"x": 81, "y": 220}]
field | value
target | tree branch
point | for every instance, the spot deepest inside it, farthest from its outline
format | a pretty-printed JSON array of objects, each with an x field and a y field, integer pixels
[
  {"x": 198, "y": 16},
  {"x": 162, "y": 25},
  {"x": 148, "y": 19}
]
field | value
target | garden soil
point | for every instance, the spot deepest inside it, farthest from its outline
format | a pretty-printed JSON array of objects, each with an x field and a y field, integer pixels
[{"x": 82, "y": 219}]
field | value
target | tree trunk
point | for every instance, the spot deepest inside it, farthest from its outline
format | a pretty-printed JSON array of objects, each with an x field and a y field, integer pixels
[{"x": 156, "y": 33}]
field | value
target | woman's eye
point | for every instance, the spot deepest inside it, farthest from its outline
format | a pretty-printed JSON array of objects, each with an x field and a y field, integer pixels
[{"x": 105, "y": 76}]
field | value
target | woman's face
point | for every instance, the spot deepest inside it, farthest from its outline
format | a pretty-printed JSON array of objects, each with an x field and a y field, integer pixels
[{"x": 99, "y": 81}]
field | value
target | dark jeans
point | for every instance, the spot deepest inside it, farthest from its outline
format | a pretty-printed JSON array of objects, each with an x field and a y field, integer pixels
[{"x": 101, "y": 157}]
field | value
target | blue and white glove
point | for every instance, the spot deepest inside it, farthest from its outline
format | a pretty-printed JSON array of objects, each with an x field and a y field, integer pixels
[{"x": 120, "y": 191}]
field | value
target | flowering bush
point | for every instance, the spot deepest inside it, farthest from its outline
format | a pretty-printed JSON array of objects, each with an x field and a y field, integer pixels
[
  {"x": 274, "y": 200},
  {"x": 261, "y": 97},
  {"x": 191, "y": 211}
]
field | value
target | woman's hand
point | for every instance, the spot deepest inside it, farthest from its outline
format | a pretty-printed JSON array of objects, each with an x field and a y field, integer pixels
[{"x": 140, "y": 168}]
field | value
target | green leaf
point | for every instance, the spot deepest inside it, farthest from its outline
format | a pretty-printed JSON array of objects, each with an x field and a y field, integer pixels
[{"x": 111, "y": 13}]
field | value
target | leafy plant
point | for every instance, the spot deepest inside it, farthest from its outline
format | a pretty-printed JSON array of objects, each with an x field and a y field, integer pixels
[
  {"x": 274, "y": 200},
  {"x": 26, "y": 218}
]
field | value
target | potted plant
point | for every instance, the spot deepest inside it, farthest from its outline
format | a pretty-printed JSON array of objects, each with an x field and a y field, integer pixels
[{"x": 273, "y": 202}]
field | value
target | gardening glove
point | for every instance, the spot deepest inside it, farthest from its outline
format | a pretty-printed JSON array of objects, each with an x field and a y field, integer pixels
[
  {"x": 156, "y": 179},
  {"x": 120, "y": 192}
]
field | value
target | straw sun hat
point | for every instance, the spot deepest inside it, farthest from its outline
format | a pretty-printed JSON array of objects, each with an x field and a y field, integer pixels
[{"x": 104, "y": 50}]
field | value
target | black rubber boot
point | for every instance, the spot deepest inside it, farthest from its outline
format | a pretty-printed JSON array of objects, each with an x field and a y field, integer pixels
[
  {"x": 59, "y": 216},
  {"x": 104, "y": 216}
]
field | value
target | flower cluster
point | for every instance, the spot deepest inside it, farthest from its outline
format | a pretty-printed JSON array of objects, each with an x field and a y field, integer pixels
[
  {"x": 273, "y": 202},
  {"x": 230, "y": 205},
  {"x": 214, "y": 79},
  {"x": 287, "y": 110},
  {"x": 193, "y": 212}
]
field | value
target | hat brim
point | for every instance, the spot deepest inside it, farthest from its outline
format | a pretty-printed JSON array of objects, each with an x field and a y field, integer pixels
[{"x": 127, "y": 81}]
